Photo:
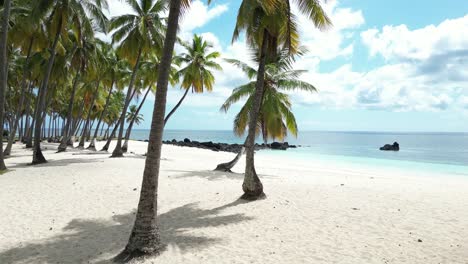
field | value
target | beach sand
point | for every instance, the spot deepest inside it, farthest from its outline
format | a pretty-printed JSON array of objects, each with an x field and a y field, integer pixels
[{"x": 80, "y": 209}]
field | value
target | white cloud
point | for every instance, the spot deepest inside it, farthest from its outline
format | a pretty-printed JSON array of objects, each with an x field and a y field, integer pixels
[
  {"x": 200, "y": 14},
  {"x": 335, "y": 42},
  {"x": 399, "y": 42}
]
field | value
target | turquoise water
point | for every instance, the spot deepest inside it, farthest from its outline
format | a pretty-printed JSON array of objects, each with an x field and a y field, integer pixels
[{"x": 431, "y": 152}]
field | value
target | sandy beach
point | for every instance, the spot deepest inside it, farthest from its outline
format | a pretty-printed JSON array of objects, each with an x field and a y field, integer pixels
[{"x": 79, "y": 208}]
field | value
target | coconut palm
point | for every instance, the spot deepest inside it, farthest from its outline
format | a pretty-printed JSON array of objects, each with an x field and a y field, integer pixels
[
  {"x": 137, "y": 34},
  {"x": 3, "y": 71},
  {"x": 112, "y": 68},
  {"x": 26, "y": 37},
  {"x": 275, "y": 118},
  {"x": 198, "y": 63},
  {"x": 268, "y": 25},
  {"x": 81, "y": 15},
  {"x": 81, "y": 55},
  {"x": 145, "y": 238}
]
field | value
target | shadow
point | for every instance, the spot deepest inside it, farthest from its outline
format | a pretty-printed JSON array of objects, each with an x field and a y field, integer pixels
[
  {"x": 214, "y": 175},
  {"x": 209, "y": 175},
  {"x": 98, "y": 241},
  {"x": 54, "y": 163}
]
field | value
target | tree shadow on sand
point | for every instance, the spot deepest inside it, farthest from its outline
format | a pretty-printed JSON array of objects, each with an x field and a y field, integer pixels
[
  {"x": 212, "y": 175},
  {"x": 97, "y": 241},
  {"x": 53, "y": 163}
]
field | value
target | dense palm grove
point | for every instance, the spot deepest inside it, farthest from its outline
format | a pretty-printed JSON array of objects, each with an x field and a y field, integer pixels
[{"x": 59, "y": 82}]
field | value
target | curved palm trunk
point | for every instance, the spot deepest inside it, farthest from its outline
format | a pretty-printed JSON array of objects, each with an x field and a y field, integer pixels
[
  {"x": 145, "y": 238},
  {"x": 118, "y": 148},
  {"x": 3, "y": 72},
  {"x": 252, "y": 186},
  {"x": 37, "y": 153},
  {"x": 114, "y": 130},
  {"x": 226, "y": 167},
  {"x": 28, "y": 114},
  {"x": 24, "y": 85},
  {"x": 76, "y": 126},
  {"x": 111, "y": 136},
  {"x": 66, "y": 135},
  {"x": 130, "y": 126},
  {"x": 92, "y": 145},
  {"x": 88, "y": 118},
  {"x": 175, "y": 107}
]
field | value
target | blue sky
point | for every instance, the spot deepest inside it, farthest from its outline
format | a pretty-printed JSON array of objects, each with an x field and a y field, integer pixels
[{"x": 384, "y": 66}]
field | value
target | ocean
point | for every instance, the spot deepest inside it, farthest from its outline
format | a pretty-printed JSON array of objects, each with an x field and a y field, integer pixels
[{"x": 431, "y": 152}]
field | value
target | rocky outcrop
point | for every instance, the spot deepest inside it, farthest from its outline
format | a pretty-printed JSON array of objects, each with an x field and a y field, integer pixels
[
  {"x": 234, "y": 148},
  {"x": 394, "y": 147}
]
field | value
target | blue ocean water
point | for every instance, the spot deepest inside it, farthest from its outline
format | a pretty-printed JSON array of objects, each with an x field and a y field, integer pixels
[{"x": 441, "y": 152}]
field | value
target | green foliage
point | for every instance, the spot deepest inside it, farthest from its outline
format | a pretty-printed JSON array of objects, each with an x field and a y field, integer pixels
[{"x": 276, "y": 117}]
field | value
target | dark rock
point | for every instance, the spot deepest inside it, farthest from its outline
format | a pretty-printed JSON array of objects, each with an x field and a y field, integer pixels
[
  {"x": 394, "y": 147},
  {"x": 279, "y": 146},
  {"x": 234, "y": 148},
  {"x": 275, "y": 145}
]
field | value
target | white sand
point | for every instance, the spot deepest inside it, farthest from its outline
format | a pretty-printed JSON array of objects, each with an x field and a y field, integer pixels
[{"x": 79, "y": 209}]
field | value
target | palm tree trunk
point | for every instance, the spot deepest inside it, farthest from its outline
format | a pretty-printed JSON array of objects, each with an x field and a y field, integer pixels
[
  {"x": 76, "y": 125},
  {"x": 145, "y": 237},
  {"x": 226, "y": 167},
  {"x": 92, "y": 145},
  {"x": 117, "y": 126},
  {"x": 3, "y": 72},
  {"x": 252, "y": 186},
  {"x": 24, "y": 85},
  {"x": 37, "y": 153},
  {"x": 63, "y": 144},
  {"x": 107, "y": 131},
  {"x": 118, "y": 148},
  {"x": 28, "y": 113},
  {"x": 111, "y": 136},
  {"x": 49, "y": 130},
  {"x": 88, "y": 118},
  {"x": 175, "y": 107},
  {"x": 130, "y": 126}
]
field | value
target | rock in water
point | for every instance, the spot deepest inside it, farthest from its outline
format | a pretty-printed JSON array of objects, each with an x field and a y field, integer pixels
[{"x": 394, "y": 147}]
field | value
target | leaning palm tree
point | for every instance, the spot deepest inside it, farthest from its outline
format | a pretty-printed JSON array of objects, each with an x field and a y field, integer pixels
[
  {"x": 269, "y": 25},
  {"x": 275, "y": 117},
  {"x": 81, "y": 53},
  {"x": 145, "y": 238},
  {"x": 137, "y": 34},
  {"x": 112, "y": 69},
  {"x": 82, "y": 16},
  {"x": 3, "y": 72},
  {"x": 27, "y": 37},
  {"x": 198, "y": 63}
]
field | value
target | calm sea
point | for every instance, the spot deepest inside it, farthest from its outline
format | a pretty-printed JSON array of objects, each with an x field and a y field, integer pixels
[{"x": 441, "y": 152}]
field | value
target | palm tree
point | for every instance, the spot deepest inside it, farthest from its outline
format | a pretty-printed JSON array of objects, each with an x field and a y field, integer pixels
[
  {"x": 268, "y": 25},
  {"x": 3, "y": 72},
  {"x": 145, "y": 238},
  {"x": 113, "y": 67},
  {"x": 138, "y": 34},
  {"x": 81, "y": 15},
  {"x": 27, "y": 37},
  {"x": 82, "y": 53},
  {"x": 275, "y": 117},
  {"x": 197, "y": 65},
  {"x": 133, "y": 117}
]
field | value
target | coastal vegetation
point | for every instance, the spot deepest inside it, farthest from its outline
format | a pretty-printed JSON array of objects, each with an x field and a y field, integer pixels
[{"x": 60, "y": 81}]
